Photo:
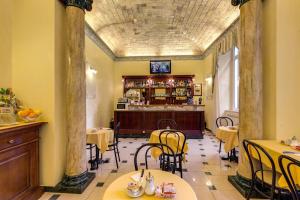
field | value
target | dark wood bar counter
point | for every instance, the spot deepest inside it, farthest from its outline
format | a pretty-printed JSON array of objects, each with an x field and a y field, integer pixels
[{"x": 142, "y": 122}]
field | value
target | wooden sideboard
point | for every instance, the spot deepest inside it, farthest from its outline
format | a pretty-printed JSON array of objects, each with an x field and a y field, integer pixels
[
  {"x": 19, "y": 162},
  {"x": 139, "y": 122}
]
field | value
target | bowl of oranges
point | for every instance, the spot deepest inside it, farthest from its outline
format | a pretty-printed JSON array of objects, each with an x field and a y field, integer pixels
[{"x": 29, "y": 114}]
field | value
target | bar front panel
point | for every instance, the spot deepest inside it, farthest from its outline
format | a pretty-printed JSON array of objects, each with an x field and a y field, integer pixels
[{"x": 141, "y": 123}]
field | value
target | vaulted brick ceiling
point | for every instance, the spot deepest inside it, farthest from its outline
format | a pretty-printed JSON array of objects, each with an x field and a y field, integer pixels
[{"x": 160, "y": 27}]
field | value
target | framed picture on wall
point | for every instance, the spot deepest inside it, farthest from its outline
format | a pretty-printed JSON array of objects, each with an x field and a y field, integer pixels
[{"x": 198, "y": 89}]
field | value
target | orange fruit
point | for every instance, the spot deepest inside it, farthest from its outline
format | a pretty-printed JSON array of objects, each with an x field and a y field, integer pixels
[{"x": 32, "y": 115}]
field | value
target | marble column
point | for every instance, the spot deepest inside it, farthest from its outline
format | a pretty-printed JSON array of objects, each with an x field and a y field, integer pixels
[
  {"x": 251, "y": 96},
  {"x": 76, "y": 114},
  {"x": 76, "y": 175}
]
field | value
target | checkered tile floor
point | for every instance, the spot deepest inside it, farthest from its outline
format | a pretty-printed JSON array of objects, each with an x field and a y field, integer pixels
[{"x": 204, "y": 171}]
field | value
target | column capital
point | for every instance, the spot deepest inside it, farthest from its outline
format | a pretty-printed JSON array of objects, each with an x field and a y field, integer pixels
[
  {"x": 238, "y": 2},
  {"x": 82, "y": 4}
]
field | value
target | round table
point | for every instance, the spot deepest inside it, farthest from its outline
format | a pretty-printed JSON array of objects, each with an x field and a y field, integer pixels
[
  {"x": 172, "y": 142},
  {"x": 117, "y": 190}
]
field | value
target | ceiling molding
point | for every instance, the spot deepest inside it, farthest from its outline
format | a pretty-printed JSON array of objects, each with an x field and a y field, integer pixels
[
  {"x": 98, "y": 41},
  {"x": 146, "y": 58}
]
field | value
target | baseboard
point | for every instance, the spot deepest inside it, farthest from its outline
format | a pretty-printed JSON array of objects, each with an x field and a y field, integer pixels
[{"x": 242, "y": 184}]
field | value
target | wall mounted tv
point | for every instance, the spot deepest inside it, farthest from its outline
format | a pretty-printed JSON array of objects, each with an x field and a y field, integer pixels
[{"x": 160, "y": 67}]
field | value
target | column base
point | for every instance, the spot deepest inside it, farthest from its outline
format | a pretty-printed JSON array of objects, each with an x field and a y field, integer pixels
[
  {"x": 243, "y": 185},
  {"x": 73, "y": 184}
]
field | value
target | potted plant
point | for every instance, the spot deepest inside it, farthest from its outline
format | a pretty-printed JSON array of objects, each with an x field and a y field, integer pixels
[{"x": 8, "y": 106}]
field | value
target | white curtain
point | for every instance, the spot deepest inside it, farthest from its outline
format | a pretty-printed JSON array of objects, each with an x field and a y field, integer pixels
[
  {"x": 221, "y": 52},
  {"x": 222, "y": 86}
]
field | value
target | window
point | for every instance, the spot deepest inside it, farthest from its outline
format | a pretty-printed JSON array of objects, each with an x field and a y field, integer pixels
[
  {"x": 227, "y": 82},
  {"x": 236, "y": 72}
]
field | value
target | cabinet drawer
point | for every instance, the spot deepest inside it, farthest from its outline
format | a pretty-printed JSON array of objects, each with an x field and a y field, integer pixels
[{"x": 13, "y": 139}]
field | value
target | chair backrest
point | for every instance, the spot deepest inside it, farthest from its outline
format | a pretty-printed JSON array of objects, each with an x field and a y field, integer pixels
[
  {"x": 162, "y": 148},
  {"x": 116, "y": 133},
  {"x": 224, "y": 121},
  {"x": 166, "y": 123},
  {"x": 166, "y": 136},
  {"x": 252, "y": 148},
  {"x": 286, "y": 163}
]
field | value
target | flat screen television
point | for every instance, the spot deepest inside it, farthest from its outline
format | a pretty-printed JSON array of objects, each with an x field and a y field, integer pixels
[{"x": 160, "y": 66}]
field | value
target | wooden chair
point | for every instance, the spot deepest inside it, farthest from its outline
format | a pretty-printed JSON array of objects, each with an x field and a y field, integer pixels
[
  {"x": 286, "y": 171},
  {"x": 166, "y": 124},
  {"x": 114, "y": 146},
  {"x": 263, "y": 177},
  {"x": 223, "y": 121},
  {"x": 164, "y": 138},
  {"x": 162, "y": 147}
]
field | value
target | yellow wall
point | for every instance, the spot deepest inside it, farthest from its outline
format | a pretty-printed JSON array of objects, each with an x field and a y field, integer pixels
[
  {"x": 281, "y": 52},
  {"x": 288, "y": 69},
  {"x": 269, "y": 69},
  {"x": 59, "y": 98},
  {"x": 100, "y": 86},
  {"x": 37, "y": 76},
  {"x": 5, "y": 41},
  {"x": 209, "y": 101}
]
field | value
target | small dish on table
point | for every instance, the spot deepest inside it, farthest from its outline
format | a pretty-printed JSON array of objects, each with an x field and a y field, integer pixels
[{"x": 134, "y": 190}]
